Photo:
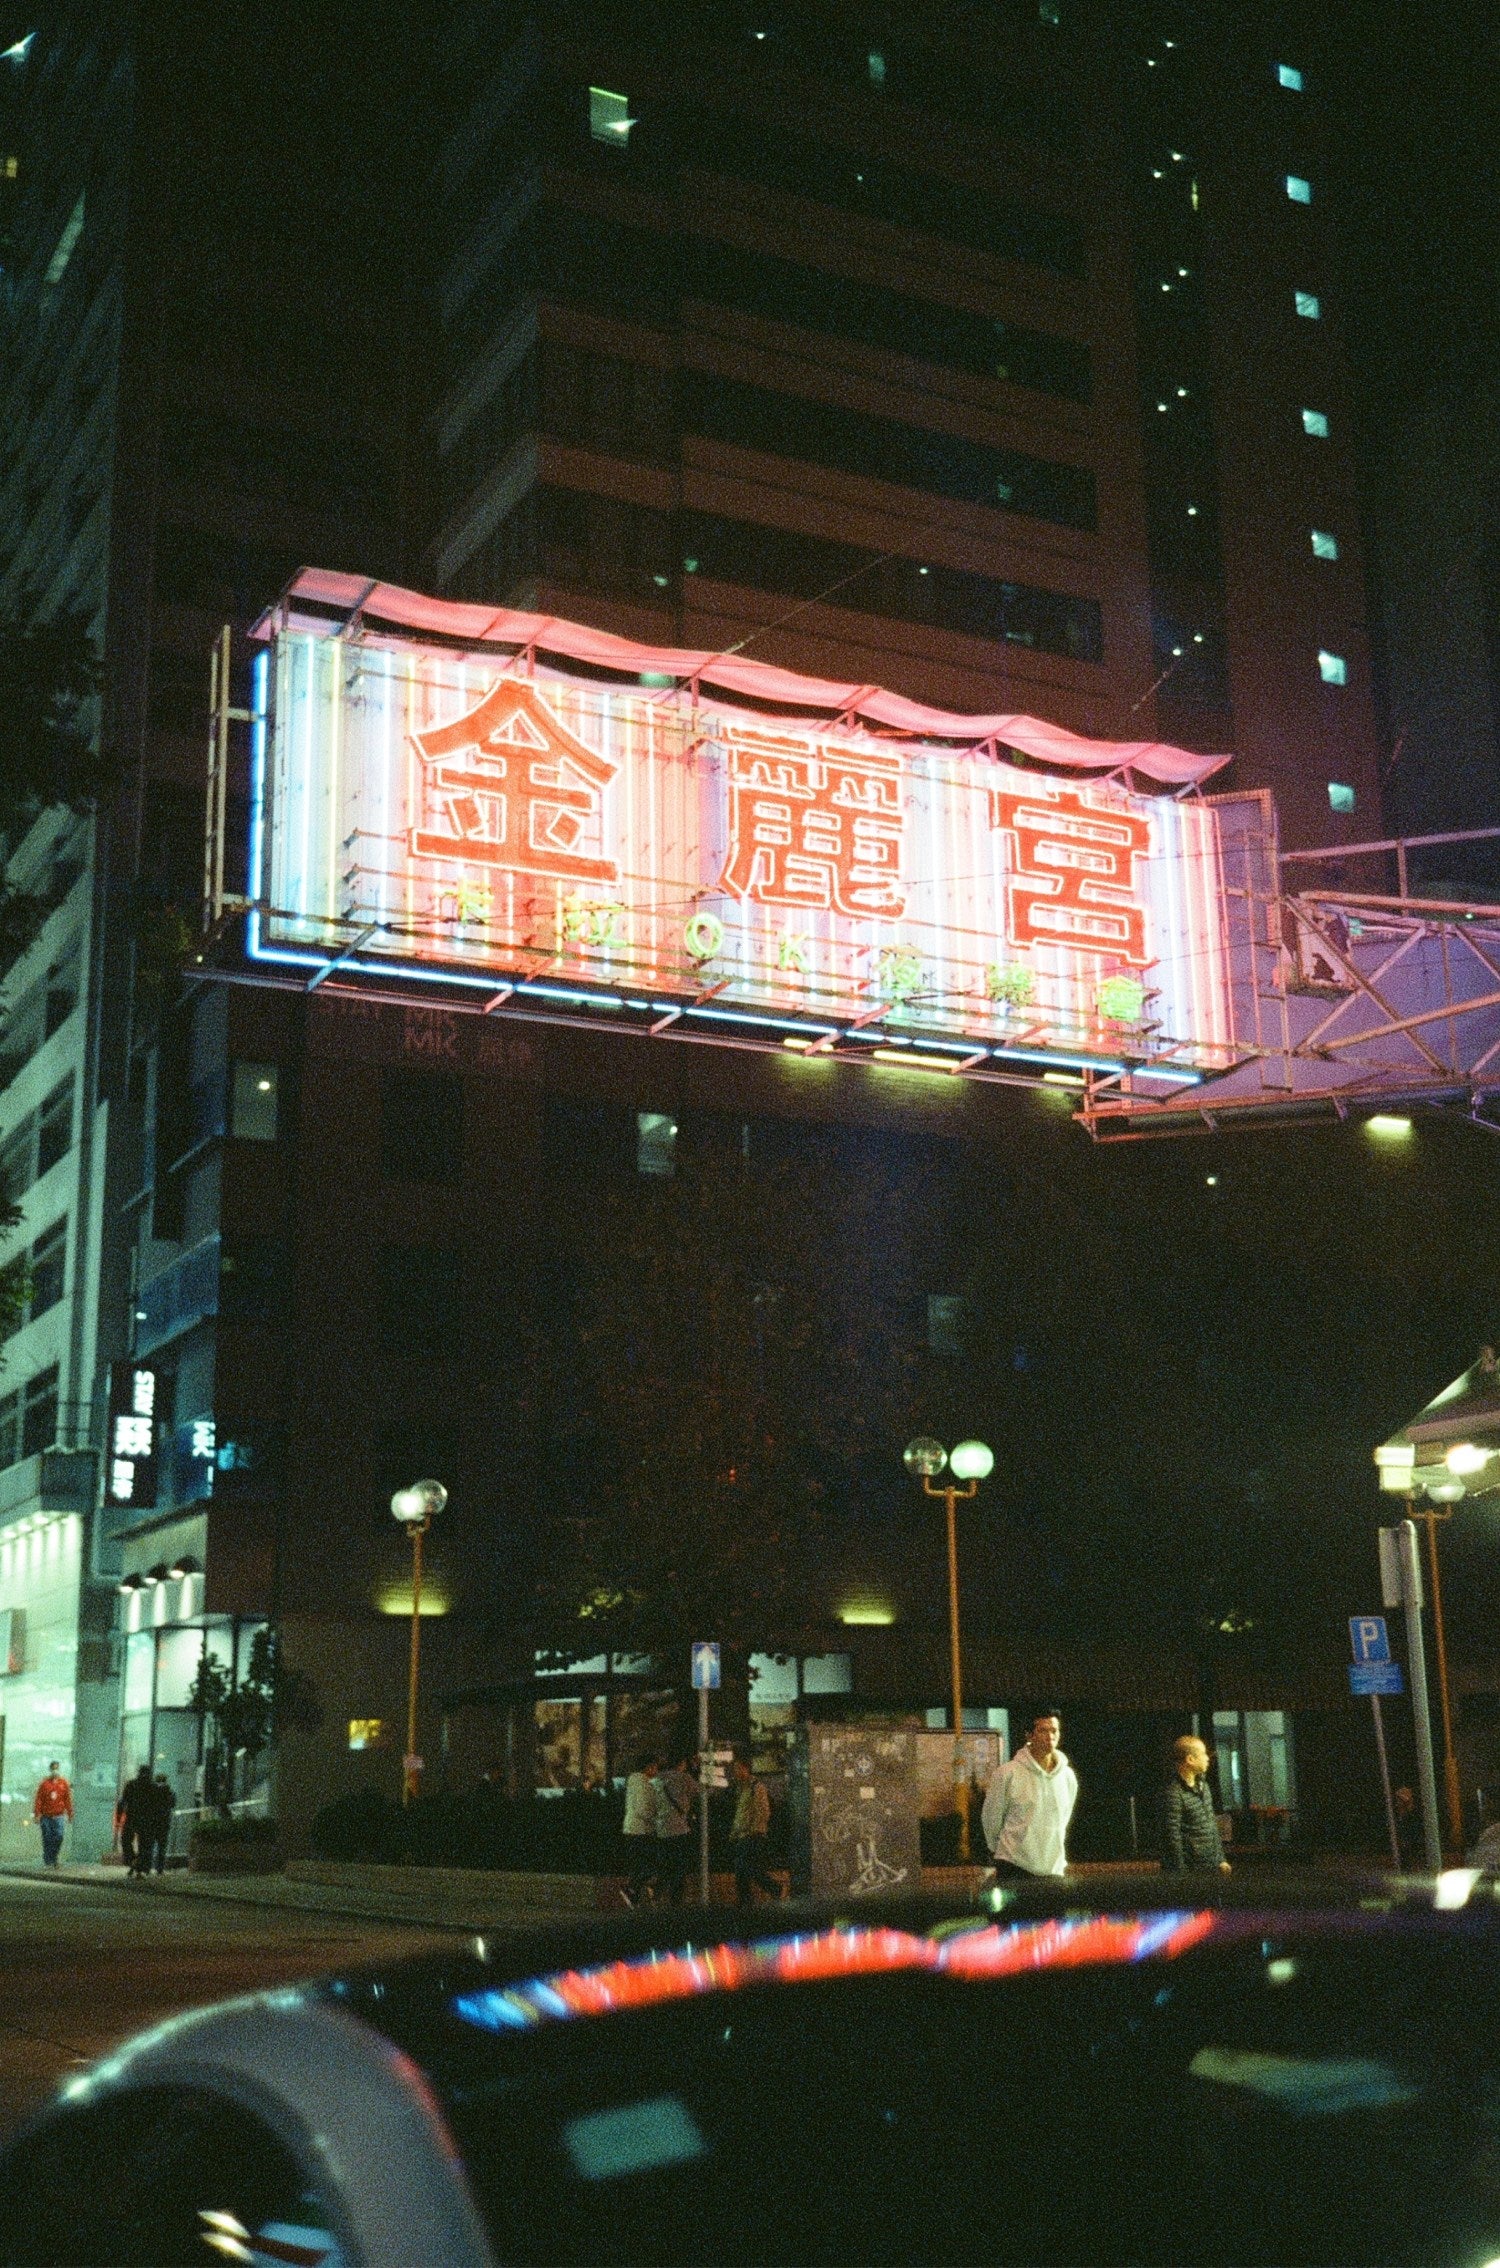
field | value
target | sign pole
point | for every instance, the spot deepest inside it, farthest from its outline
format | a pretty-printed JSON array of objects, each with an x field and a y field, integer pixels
[
  {"x": 1385, "y": 1783},
  {"x": 703, "y": 1794},
  {"x": 1409, "y": 1595}
]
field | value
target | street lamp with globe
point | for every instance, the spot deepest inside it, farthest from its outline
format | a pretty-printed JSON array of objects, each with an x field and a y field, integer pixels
[
  {"x": 970, "y": 1463},
  {"x": 415, "y": 1508}
]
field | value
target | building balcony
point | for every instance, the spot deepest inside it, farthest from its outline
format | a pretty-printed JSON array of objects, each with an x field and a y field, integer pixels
[{"x": 177, "y": 1297}]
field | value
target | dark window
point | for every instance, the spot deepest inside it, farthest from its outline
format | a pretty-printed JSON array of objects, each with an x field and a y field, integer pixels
[
  {"x": 595, "y": 543},
  {"x": 943, "y": 464},
  {"x": 855, "y": 182},
  {"x": 62, "y": 996},
  {"x": 422, "y": 1126},
  {"x": 47, "y": 1269},
  {"x": 1189, "y": 657},
  {"x": 739, "y": 551},
  {"x": 253, "y": 1279},
  {"x": 601, "y": 544},
  {"x": 583, "y": 1140},
  {"x": 421, "y": 1298},
  {"x": 38, "y": 1413},
  {"x": 642, "y": 276},
  {"x": 605, "y": 403},
  {"x": 55, "y": 1126},
  {"x": 18, "y": 1160}
]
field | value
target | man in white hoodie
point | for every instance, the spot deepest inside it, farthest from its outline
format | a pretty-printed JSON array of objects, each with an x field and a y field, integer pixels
[{"x": 1029, "y": 1803}]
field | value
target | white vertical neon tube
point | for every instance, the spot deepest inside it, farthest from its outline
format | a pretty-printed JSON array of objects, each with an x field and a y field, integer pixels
[{"x": 258, "y": 678}]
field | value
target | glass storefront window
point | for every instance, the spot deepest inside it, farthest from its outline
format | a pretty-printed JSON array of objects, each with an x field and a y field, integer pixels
[
  {"x": 179, "y": 1653},
  {"x": 140, "y": 1664}
]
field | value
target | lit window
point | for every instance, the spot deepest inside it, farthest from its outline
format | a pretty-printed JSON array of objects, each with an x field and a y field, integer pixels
[
  {"x": 1315, "y": 422},
  {"x": 367, "y": 1732},
  {"x": 609, "y": 117},
  {"x": 9, "y": 168},
  {"x": 253, "y": 1104},
  {"x": 1324, "y": 546},
  {"x": 1308, "y": 305},
  {"x": 1340, "y": 798},
  {"x": 1289, "y": 76},
  {"x": 65, "y": 244},
  {"x": 877, "y": 68},
  {"x": 655, "y": 1143},
  {"x": 1298, "y": 190},
  {"x": 1332, "y": 668}
]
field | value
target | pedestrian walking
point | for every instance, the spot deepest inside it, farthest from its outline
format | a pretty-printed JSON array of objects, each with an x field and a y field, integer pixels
[
  {"x": 50, "y": 1806},
  {"x": 638, "y": 1832},
  {"x": 1029, "y": 1803},
  {"x": 676, "y": 1790},
  {"x": 132, "y": 1817},
  {"x": 158, "y": 1823},
  {"x": 1190, "y": 1838},
  {"x": 749, "y": 1836}
]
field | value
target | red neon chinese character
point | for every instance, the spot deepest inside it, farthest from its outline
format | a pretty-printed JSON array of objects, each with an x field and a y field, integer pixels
[
  {"x": 1073, "y": 882},
  {"x": 814, "y": 825},
  {"x": 511, "y": 787}
]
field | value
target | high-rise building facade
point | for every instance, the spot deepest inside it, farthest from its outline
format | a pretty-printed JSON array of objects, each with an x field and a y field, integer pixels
[
  {"x": 993, "y": 356},
  {"x": 197, "y": 286}
]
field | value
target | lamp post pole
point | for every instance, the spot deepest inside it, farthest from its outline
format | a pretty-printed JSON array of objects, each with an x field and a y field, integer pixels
[
  {"x": 970, "y": 1463},
  {"x": 416, "y": 1508},
  {"x": 1452, "y": 1792}
]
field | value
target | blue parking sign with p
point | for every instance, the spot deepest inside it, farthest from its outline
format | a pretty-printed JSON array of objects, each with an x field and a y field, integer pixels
[
  {"x": 705, "y": 1665},
  {"x": 1367, "y": 1637}
]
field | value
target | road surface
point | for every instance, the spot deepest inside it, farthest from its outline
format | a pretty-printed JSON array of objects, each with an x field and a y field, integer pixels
[{"x": 83, "y": 1966}]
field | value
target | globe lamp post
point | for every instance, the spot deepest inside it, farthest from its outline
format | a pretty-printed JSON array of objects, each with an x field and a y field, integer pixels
[
  {"x": 415, "y": 1509},
  {"x": 970, "y": 1463}
]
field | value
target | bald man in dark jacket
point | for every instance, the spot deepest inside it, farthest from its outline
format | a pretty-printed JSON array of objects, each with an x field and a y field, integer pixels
[{"x": 1190, "y": 1838}]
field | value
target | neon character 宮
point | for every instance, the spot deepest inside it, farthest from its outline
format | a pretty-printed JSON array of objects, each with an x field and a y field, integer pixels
[
  {"x": 1073, "y": 880},
  {"x": 814, "y": 825},
  {"x": 507, "y": 785}
]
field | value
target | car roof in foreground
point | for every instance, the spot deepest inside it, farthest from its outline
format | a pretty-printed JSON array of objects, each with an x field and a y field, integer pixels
[{"x": 517, "y": 1982}]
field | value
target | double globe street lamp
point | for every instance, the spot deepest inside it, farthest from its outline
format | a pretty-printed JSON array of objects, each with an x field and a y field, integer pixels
[
  {"x": 415, "y": 1508},
  {"x": 970, "y": 1463}
]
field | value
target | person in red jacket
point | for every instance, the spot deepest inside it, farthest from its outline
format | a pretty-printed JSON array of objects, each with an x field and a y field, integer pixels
[{"x": 50, "y": 1806}]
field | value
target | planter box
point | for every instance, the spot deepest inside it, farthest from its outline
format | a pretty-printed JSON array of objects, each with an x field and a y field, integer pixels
[{"x": 232, "y": 1854}]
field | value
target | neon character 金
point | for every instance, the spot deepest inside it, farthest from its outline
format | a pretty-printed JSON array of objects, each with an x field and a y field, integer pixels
[
  {"x": 814, "y": 825},
  {"x": 508, "y": 785},
  {"x": 1073, "y": 880}
]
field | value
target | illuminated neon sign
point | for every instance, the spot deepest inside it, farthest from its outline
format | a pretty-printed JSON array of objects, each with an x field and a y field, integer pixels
[{"x": 469, "y": 818}]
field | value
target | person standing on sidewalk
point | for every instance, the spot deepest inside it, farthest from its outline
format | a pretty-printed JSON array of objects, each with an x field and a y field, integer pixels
[
  {"x": 50, "y": 1806},
  {"x": 676, "y": 1793},
  {"x": 638, "y": 1830},
  {"x": 748, "y": 1837},
  {"x": 133, "y": 1818},
  {"x": 158, "y": 1824},
  {"x": 1029, "y": 1803},
  {"x": 1190, "y": 1838}
]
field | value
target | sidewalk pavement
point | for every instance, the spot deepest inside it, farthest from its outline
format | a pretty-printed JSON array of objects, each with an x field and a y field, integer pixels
[{"x": 461, "y": 1899}]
